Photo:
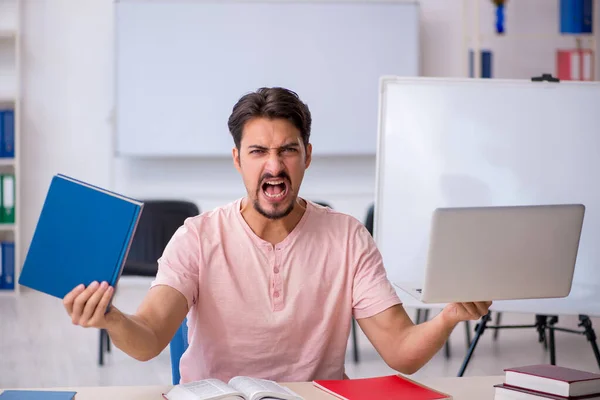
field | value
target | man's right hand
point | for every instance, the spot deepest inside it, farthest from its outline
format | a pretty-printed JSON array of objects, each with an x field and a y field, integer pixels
[
  {"x": 87, "y": 306},
  {"x": 142, "y": 335}
]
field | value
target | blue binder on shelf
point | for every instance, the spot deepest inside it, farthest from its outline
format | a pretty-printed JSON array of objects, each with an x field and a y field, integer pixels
[
  {"x": 576, "y": 16},
  {"x": 7, "y": 265},
  {"x": 83, "y": 235},
  {"x": 7, "y": 133},
  {"x": 486, "y": 64}
]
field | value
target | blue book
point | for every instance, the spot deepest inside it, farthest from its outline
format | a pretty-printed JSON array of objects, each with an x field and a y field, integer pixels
[
  {"x": 83, "y": 235},
  {"x": 36, "y": 395}
]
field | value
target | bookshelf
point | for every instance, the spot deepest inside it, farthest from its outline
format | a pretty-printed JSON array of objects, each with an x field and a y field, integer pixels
[
  {"x": 10, "y": 99},
  {"x": 531, "y": 39}
]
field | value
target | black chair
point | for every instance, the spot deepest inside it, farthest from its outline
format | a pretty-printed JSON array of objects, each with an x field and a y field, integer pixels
[
  {"x": 158, "y": 222},
  {"x": 354, "y": 327}
]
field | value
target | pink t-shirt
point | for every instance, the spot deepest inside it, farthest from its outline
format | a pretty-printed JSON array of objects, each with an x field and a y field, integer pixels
[{"x": 278, "y": 312}]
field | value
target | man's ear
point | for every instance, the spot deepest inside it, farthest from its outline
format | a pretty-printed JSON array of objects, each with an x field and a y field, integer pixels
[
  {"x": 308, "y": 157},
  {"x": 235, "y": 153}
]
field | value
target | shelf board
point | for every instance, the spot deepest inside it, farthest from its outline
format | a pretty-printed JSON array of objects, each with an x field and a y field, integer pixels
[
  {"x": 7, "y": 227},
  {"x": 8, "y": 293},
  {"x": 6, "y": 161},
  {"x": 533, "y": 36},
  {"x": 7, "y": 34}
]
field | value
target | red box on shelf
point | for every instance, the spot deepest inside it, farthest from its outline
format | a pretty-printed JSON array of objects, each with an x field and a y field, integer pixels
[{"x": 575, "y": 65}]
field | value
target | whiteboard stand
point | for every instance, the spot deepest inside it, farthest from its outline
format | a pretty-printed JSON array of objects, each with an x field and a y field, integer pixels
[{"x": 542, "y": 324}]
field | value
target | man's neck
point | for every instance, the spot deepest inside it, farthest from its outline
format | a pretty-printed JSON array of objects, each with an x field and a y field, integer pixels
[{"x": 272, "y": 231}]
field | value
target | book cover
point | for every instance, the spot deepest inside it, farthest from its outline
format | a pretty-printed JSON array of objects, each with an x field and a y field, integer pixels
[
  {"x": 514, "y": 391},
  {"x": 36, "y": 395},
  {"x": 83, "y": 235},
  {"x": 381, "y": 388},
  {"x": 555, "y": 372}
]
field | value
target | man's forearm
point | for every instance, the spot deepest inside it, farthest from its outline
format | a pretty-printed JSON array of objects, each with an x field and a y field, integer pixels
[
  {"x": 130, "y": 334},
  {"x": 419, "y": 343}
]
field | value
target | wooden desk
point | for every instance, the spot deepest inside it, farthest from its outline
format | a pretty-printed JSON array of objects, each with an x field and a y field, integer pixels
[{"x": 466, "y": 388}]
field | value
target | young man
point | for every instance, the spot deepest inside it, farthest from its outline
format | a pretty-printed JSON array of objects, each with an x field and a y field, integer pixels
[{"x": 269, "y": 282}]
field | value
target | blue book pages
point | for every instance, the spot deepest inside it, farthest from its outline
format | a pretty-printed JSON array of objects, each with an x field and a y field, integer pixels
[
  {"x": 83, "y": 235},
  {"x": 36, "y": 395}
]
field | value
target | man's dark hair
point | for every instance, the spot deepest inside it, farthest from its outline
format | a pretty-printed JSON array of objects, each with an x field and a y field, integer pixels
[{"x": 270, "y": 103}]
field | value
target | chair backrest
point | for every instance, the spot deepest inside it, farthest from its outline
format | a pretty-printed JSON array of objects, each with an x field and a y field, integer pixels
[
  {"x": 177, "y": 347},
  {"x": 322, "y": 203},
  {"x": 370, "y": 218},
  {"x": 158, "y": 222}
]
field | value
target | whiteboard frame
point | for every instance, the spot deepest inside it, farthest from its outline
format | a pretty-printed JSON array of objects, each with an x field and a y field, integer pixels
[{"x": 586, "y": 303}]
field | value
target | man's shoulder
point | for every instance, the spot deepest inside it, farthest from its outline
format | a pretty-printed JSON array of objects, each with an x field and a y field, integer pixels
[
  {"x": 335, "y": 219},
  {"x": 214, "y": 217}
]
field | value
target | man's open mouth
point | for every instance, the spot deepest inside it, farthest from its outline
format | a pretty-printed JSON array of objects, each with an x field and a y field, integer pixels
[{"x": 275, "y": 188}]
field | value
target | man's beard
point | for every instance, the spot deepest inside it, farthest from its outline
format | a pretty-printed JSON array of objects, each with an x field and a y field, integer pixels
[{"x": 275, "y": 214}]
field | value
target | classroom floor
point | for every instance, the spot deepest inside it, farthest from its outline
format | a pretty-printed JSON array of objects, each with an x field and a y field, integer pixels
[{"x": 40, "y": 348}]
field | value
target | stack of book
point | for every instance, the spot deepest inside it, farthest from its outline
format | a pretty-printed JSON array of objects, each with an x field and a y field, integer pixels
[{"x": 548, "y": 382}]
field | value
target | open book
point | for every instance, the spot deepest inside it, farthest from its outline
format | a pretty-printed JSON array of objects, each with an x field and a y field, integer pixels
[{"x": 239, "y": 387}]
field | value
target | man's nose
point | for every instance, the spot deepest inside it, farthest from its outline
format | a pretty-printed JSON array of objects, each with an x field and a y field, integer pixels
[{"x": 274, "y": 163}]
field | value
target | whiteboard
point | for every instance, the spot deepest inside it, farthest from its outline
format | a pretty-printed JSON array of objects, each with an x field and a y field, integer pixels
[
  {"x": 182, "y": 65},
  {"x": 480, "y": 142}
]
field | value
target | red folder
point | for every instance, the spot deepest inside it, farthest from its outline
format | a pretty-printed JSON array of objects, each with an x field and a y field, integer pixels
[{"x": 391, "y": 387}]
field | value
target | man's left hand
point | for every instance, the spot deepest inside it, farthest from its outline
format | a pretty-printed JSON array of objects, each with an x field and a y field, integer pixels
[{"x": 458, "y": 312}]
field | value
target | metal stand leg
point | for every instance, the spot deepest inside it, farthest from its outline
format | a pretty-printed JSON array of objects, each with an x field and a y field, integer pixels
[
  {"x": 101, "y": 348},
  {"x": 107, "y": 341},
  {"x": 355, "y": 341},
  {"x": 498, "y": 322},
  {"x": 591, "y": 335},
  {"x": 541, "y": 322},
  {"x": 426, "y": 314},
  {"x": 418, "y": 318},
  {"x": 468, "y": 333},
  {"x": 551, "y": 342},
  {"x": 478, "y": 332}
]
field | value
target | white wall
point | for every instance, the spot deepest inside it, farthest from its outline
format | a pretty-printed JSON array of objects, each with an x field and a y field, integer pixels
[
  {"x": 67, "y": 97},
  {"x": 67, "y": 105}
]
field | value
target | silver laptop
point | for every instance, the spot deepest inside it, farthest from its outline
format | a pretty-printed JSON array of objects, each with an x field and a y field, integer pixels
[{"x": 500, "y": 253}]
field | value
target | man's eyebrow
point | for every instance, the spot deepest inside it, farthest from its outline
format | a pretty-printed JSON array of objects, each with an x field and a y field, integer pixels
[
  {"x": 256, "y": 146},
  {"x": 285, "y": 146}
]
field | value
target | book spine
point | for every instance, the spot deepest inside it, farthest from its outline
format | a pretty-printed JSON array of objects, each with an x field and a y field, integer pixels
[{"x": 127, "y": 245}]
